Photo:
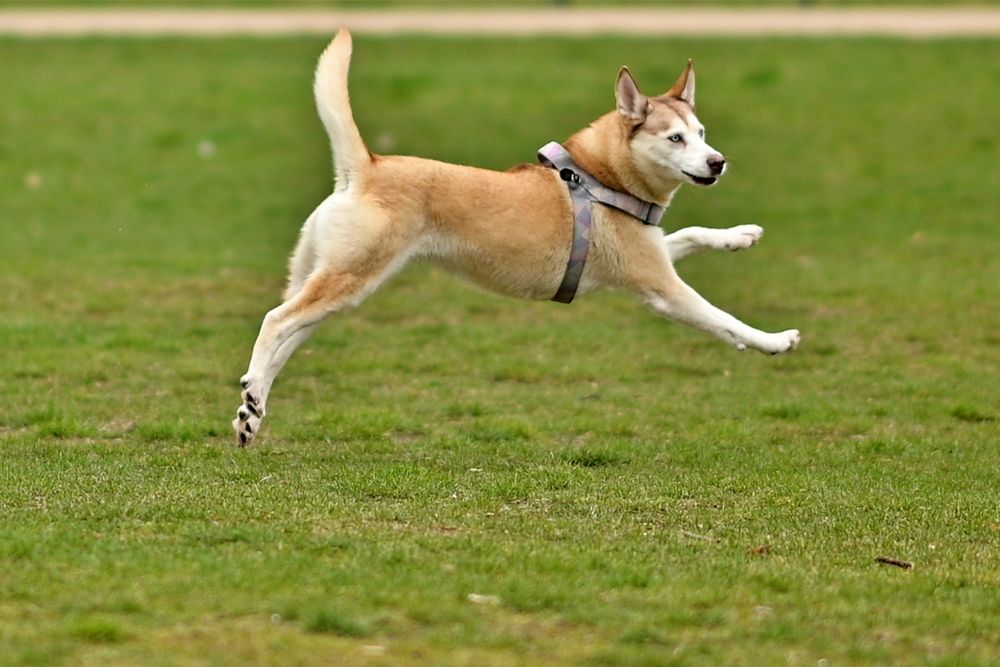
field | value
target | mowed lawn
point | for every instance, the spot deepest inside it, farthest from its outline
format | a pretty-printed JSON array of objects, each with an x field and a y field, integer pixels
[{"x": 609, "y": 488}]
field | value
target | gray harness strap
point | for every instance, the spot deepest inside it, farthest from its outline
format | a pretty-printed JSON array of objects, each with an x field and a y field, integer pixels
[{"x": 584, "y": 190}]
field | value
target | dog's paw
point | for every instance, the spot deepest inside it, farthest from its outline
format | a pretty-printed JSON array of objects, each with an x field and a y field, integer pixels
[
  {"x": 741, "y": 237},
  {"x": 252, "y": 396},
  {"x": 246, "y": 425},
  {"x": 786, "y": 341},
  {"x": 250, "y": 413},
  {"x": 246, "y": 429}
]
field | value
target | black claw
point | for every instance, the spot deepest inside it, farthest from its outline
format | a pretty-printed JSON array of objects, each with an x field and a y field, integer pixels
[
  {"x": 243, "y": 439},
  {"x": 248, "y": 429},
  {"x": 243, "y": 414},
  {"x": 244, "y": 383},
  {"x": 251, "y": 407}
]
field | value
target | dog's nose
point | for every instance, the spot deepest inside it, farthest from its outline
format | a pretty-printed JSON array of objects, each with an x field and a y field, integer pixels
[{"x": 716, "y": 163}]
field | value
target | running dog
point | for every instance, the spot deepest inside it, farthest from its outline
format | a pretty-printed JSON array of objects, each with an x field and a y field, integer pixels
[{"x": 519, "y": 232}]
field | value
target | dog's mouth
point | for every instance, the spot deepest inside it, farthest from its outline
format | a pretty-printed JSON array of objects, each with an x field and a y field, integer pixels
[{"x": 701, "y": 180}]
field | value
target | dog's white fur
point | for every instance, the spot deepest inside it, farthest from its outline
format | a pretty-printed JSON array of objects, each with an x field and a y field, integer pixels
[{"x": 508, "y": 231}]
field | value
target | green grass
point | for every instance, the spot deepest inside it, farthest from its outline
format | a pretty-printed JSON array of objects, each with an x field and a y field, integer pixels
[{"x": 630, "y": 491}]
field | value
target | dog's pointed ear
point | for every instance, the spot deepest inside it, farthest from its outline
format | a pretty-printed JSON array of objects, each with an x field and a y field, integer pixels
[
  {"x": 632, "y": 104},
  {"x": 684, "y": 88}
]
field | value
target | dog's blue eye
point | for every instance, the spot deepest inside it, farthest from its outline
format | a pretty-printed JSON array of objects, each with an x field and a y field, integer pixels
[{"x": 676, "y": 138}]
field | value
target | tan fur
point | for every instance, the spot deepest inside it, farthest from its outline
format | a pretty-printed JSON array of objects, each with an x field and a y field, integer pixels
[
  {"x": 510, "y": 232},
  {"x": 471, "y": 224}
]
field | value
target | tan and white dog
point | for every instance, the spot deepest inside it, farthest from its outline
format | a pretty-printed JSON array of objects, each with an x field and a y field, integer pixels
[{"x": 510, "y": 231}]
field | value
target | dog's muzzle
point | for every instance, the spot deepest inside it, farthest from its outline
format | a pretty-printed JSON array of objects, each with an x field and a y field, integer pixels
[{"x": 716, "y": 164}]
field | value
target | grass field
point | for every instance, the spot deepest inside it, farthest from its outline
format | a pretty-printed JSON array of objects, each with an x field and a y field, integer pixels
[{"x": 617, "y": 489}]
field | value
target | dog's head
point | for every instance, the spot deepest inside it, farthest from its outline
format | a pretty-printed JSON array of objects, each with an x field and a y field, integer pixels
[{"x": 665, "y": 136}]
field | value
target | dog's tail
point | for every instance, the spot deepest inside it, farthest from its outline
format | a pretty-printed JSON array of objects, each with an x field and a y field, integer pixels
[{"x": 350, "y": 154}]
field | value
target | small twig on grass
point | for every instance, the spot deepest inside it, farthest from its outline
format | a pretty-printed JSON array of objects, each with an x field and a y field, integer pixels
[{"x": 906, "y": 565}]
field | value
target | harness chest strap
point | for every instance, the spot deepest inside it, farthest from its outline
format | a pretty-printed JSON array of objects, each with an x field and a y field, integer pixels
[{"x": 584, "y": 190}]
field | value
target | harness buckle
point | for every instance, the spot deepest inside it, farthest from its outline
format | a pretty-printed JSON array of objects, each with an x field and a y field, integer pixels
[{"x": 569, "y": 176}]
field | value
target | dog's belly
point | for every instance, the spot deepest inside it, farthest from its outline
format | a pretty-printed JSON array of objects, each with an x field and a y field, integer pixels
[{"x": 528, "y": 274}]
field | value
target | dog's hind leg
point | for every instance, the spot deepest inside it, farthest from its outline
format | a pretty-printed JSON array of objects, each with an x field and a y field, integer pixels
[
  {"x": 303, "y": 259},
  {"x": 254, "y": 395},
  {"x": 288, "y": 326},
  {"x": 685, "y": 241},
  {"x": 334, "y": 286}
]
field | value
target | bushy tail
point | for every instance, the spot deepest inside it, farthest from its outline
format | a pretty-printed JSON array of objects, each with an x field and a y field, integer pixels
[{"x": 350, "y": 154}]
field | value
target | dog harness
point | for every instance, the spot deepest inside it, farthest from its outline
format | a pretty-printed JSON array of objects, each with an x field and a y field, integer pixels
[{"x": 584, "y": 190}]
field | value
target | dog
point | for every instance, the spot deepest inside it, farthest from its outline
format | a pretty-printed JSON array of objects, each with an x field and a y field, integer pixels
[{"x": 510, "y": 232}]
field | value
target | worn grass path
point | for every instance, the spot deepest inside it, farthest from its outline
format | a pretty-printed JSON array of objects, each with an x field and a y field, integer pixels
[{"x": 948, "y": 21}]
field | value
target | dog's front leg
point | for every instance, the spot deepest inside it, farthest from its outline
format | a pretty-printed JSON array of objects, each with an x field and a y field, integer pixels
[
  {"x": 673, "y": 298},
  {"x": 685, "y": 241}
]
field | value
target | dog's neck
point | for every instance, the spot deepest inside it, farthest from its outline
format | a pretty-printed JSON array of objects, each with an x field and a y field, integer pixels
[{"x": 603, "y": 150}]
